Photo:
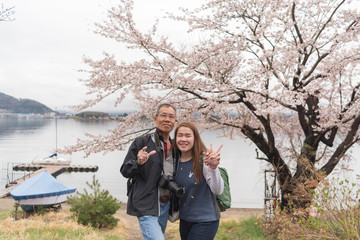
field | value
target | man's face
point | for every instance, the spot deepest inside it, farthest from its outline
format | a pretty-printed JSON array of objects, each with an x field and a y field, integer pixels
[{"x": 165, "y": 120}]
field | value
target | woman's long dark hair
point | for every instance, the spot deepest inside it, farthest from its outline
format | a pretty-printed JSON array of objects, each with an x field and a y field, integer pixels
[{"x": 197, "y": 150}]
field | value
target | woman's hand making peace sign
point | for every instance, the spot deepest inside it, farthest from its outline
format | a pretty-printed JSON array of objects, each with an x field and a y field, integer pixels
[{"x": 211, "y": 158}]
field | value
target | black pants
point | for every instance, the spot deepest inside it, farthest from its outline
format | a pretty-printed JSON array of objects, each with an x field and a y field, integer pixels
[{"x": 198, "y": 230}]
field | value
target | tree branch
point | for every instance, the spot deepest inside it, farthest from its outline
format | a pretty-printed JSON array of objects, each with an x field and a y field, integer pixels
[{"x": 349, "y": 140}]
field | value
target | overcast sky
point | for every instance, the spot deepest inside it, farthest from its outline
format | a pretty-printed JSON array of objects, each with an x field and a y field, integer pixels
[{"x": 41, "y": 49}]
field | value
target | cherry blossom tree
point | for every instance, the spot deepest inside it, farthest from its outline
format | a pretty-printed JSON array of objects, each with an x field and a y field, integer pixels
[
  {"x": 284, "y": 74},
  {"x": 6, "y": 13}
]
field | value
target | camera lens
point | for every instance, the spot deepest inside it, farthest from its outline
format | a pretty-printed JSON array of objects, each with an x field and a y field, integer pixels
[
  {"x": 168, "y": 183},
  {"x": 179, "y": 192},
  {"x": 172, "y": 186}
]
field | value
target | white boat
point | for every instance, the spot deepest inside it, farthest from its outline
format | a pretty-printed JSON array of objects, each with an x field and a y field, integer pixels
[
  {"x": 41, "y": 190},
  {"x": 52, "y": 160}
]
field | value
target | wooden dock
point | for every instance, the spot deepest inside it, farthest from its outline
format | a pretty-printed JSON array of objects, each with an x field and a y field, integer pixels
[{"x": 54, "y": 170}]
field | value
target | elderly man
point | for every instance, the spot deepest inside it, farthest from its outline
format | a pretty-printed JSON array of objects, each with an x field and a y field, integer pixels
[{"x": 144, "y": 165}]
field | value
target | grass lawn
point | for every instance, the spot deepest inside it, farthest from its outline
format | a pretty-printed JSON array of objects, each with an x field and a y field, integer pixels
[{"x": 59, "y": 225}]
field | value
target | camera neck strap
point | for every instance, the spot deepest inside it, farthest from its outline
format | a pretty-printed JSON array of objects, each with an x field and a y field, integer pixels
[{"x": 175, "y": 156}]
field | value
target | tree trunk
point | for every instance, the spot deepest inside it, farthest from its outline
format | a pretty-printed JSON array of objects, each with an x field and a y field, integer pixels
[{"x": 297, "y": 190}]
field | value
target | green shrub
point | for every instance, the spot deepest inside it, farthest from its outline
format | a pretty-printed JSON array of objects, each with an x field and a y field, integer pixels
[{"x": 95, "y": 209}]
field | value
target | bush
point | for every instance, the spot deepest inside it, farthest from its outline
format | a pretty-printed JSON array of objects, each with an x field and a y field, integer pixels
[
  {"x": 338, "y": 206},
  {"x": 335, "y": 215},
  {"x": 95, "y": 209}
]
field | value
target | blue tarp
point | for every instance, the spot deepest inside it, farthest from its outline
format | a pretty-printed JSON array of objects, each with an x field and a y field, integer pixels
[{"x": 39, "y": 186}]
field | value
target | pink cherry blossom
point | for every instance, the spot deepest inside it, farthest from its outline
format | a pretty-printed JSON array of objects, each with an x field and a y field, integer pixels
[{"x": 284, "y": 74}]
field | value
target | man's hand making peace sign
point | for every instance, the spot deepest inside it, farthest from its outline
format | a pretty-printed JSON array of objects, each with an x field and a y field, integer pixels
[{"x": 143, "y": 156}]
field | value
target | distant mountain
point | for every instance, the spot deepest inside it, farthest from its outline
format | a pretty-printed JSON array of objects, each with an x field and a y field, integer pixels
[{"x": 10, "y": 104}]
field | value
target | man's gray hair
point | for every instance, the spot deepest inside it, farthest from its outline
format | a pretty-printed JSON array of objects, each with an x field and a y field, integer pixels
[{"x": 164, "y": 105}]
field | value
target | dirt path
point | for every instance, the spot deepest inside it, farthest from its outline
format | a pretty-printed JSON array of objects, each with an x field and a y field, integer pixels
[
  {"x": 131, "y": 223},
  {"x": 6, "y": 203}
]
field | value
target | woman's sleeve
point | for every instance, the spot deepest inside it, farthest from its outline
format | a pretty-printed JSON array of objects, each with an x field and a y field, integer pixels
[{"x": 213, "y": 179}]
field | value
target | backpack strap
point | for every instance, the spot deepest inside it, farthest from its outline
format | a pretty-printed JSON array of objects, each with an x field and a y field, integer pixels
[{"x": 176, "y": 157}]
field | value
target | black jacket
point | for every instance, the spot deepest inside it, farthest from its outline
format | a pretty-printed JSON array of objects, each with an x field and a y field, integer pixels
[{"x": 143, "y": 199}]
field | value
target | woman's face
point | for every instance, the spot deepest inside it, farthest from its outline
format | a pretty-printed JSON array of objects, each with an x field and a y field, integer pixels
[{"x": 185, "y": 139}]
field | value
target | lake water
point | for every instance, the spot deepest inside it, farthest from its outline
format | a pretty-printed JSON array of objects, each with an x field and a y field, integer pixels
[{"x": 25, "y": 139}]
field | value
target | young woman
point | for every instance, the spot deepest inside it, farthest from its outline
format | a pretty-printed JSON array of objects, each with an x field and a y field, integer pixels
[{"x": 199, "y": 175}]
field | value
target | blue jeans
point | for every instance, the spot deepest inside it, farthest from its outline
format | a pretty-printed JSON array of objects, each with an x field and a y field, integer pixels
[
  {"x": 198, "y": 230},
  {"x": 153, "y": 227}
]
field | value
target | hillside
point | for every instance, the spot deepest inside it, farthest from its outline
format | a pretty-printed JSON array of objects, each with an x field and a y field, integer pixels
[
  {"x": 92, "y": 115},
  {"x": 10, "y": 104}
]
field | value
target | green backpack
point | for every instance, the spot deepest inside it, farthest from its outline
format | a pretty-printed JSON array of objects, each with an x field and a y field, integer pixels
[{"x": 224, "y": 200}]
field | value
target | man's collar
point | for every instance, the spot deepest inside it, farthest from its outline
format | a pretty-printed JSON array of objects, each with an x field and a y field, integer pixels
[
  {"x": 160, "y": 134},
  {"x": 161, "y": 138}
]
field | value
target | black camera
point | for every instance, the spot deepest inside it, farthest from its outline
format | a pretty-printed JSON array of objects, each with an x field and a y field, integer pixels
[{"x": 167, "y": 182}]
